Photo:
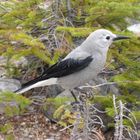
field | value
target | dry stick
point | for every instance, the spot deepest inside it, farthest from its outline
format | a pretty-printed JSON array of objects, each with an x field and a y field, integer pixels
[
  {"x": 76, "y": 124},
  {"x": 116, "y": 134},
  {"x": 97, "y": 135},
  {"x": 108, "y": 83},
  {"x": 127, "y": 129},
  {"x": 67, "y": 127},
  {"x": 86, "y": 119},
  {"x": 4, "y": 8},
  {"x": 57, "y": 5},
  {"x": 103, "y": 84},
  {"x": 69, "y": 10},
  {"x": 135, "y": 129},
  {"x": 98, "y": 109},
  {"x": 46, "y": 19},
  {"x": 56, "y": 40},
  {"x": 131, "y": 114},
  {"x": 96, "y": 120},
  {"x": 66, "y": 19},
  {"x": 119, "y": 126},
  {"x": 132, "y": 134},
  {"x": 68, "y": 5},
  {"x": 129, "y": 120},
  {"x": 121, "y": 106}
]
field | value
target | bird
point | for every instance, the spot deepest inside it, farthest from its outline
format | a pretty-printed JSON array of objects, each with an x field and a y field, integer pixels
[{"x": 80, "y": 66}]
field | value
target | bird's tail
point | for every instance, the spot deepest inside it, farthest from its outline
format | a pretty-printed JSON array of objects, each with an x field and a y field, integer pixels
[{"x": 47, "y": 82}]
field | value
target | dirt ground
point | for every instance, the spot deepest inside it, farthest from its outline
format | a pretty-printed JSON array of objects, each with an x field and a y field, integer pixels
[{"x": 33, "y": 126}]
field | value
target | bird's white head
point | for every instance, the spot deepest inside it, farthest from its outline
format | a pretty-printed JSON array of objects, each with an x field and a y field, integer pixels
[
  {"x": 101, "y": 39},
  {"x": 104, "y": 38}
]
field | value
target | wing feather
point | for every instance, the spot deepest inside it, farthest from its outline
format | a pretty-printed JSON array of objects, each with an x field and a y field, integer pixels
[{"x": 62, "y": 68}]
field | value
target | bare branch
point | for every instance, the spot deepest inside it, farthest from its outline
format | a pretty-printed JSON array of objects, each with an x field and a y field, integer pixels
[
  {"x": 108, "y": 83},
  {"x": 121, "y": 120},
  {"x": 116, "y": 119}
]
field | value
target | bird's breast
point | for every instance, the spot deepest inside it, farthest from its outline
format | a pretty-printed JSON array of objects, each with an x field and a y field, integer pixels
[{"x": 98, "y": 63}]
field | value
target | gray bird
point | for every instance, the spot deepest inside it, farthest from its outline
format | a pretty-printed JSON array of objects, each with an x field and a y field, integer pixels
[{"x": 80, "y": 66}]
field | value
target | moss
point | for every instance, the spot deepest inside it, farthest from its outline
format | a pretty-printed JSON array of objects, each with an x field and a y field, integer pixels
[
  {"x": 18, "y": 103},
  {"x": 76, "y": 32},
  {"x": 106, "y": 101}
]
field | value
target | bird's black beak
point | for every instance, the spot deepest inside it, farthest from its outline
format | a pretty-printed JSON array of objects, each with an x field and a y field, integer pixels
[{"x": 119, "y": 37}]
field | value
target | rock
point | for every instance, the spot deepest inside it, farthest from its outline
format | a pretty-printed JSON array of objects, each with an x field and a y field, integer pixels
[
  {"x": 9, "y": 84},
  {"x": 65, "y": 93},
  {"x": 3, "y": 106},
  {"x": 47, "y": 91},
  {"x": 20, "y": 62},
  {"x": 45, "y": 5},
  {"x": 131, "y": 21},
  {"x": 2, "y": 72},
  {"x": 54, "y": 90},
  {"x": 134, "y": 26},
  {"x": 43, "y": 38},
  {"x": 104, "y": 90},
  {"x": 135, "y": 29}
]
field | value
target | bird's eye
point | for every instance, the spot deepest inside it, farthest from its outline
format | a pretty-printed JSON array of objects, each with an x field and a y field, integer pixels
[{"x": 108, "y": 37}]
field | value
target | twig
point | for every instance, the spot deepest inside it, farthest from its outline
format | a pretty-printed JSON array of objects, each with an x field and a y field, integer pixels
[
  {"x": 121, "y": 120},
  {"x": 97, "y": 122},
  {"x": 86, "y": 121},
  {"x": 130, "y": 120},
  {"x": 131, "y": 114},
  {"x": 98, "y": 109},
  {"x": 116, "y": 133},
  {"x": 74, "y": 133},
  {"x": 66, "y": 128},
  {"x": 46, "y": 19},
  {"x": 97, "y": 135},
  {"x": 4, "y": 8},
  {"x": 108, "y": 83},
  {"x": 68, "y": 6}
]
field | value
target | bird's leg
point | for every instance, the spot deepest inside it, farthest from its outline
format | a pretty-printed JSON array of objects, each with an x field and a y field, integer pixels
[
  {"x": 75, "y": 98},
  {"x": 76, "y": 105}
]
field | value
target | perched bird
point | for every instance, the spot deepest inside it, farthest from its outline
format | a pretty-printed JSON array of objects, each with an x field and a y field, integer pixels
[{"x": 80, "y": 65}]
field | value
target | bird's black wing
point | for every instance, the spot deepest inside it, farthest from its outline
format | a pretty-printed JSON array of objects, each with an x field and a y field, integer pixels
[{"x": 62, "y": 68}]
